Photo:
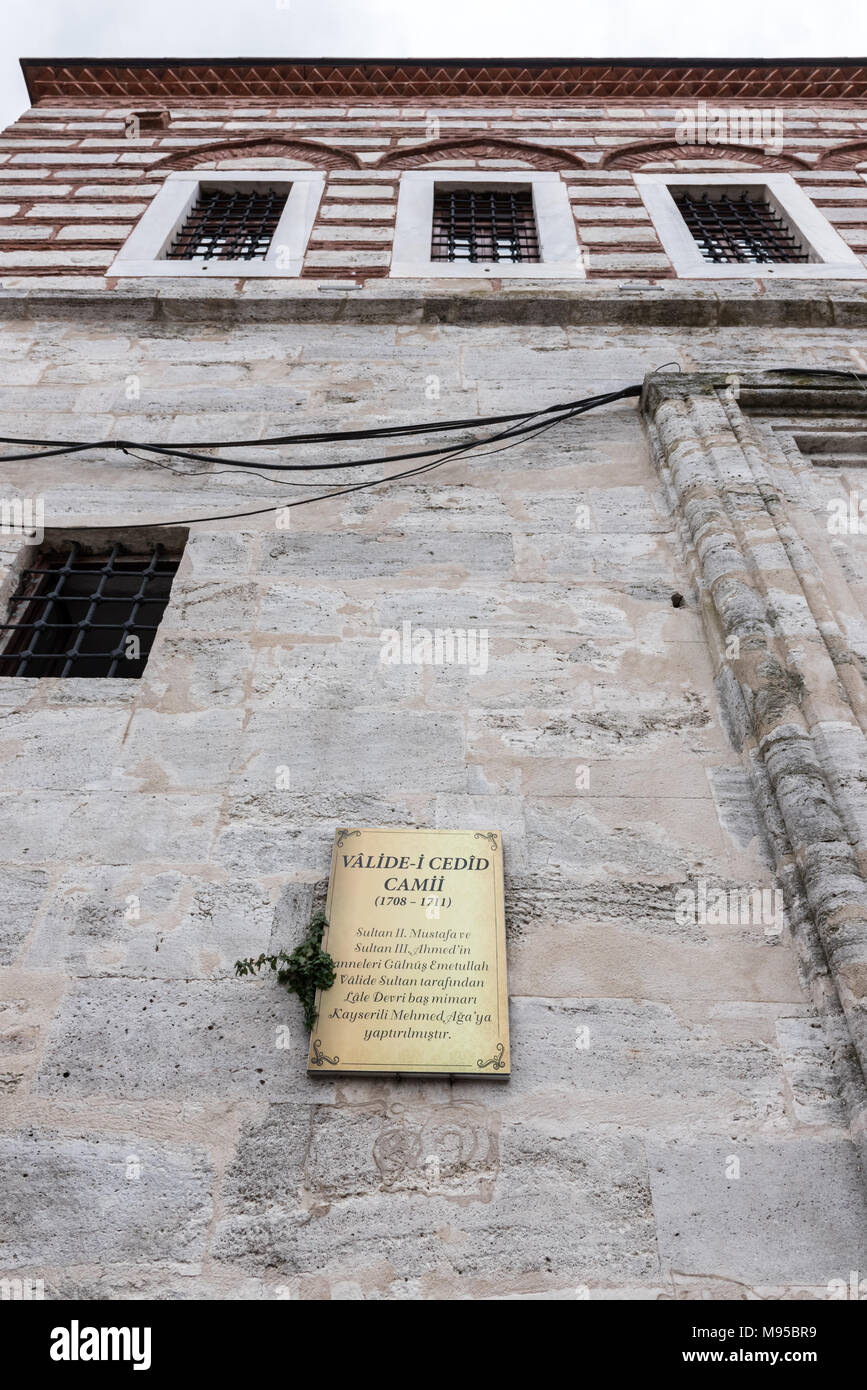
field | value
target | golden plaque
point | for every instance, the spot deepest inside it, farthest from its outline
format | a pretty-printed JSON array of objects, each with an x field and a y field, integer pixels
[{"x": 417, "y": 933}]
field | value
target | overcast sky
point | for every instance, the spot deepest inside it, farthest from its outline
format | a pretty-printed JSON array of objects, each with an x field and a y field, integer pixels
[{"x": 420, "y": 28}]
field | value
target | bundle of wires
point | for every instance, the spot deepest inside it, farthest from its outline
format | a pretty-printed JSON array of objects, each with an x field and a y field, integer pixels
[{"x": 505, "y": 432}]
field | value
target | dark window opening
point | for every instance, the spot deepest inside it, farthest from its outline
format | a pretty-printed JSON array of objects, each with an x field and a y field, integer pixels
[
  {"x": 472, "y": 224},
  {"x": 76, "y": 615},
  {"x": 229, "y": 225},
  {"x": 739, "y": 227}
]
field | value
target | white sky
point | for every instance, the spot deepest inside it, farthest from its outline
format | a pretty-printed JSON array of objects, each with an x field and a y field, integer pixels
[{"x": 420, "y": 28}]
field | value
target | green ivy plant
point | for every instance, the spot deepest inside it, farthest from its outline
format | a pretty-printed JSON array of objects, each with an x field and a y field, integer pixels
[{"x": 307, "y": 969}]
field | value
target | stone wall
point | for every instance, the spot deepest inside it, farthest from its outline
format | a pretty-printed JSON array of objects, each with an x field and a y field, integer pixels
[{"x": 156, "y": 1139}]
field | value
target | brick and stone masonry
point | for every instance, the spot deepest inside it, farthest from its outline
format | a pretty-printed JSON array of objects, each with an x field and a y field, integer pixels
[{"x": 686, "y": 1115}]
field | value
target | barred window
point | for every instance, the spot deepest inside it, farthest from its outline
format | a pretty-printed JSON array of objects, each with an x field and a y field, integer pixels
[
  {"x": 229, "y": 224},
  {"x": 740, "y": 227},
  {"x": 471, "y": 224},
  {"x": 77, "y": 614}
]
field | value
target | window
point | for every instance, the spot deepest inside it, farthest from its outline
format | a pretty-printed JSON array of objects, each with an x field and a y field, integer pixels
[
  {"x": 725, "y": 225},
  {"x": 228, "y": 224},
  {"x": 77, "y": 613},
  {"x": 471, "y": 223},
  {"x": 239, "y": 224},
  {"x": 741, "y": 227}
]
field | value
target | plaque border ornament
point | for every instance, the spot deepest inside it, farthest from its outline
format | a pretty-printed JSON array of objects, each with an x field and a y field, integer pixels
[
  {"x": 496, "y": 1062},
  {"x": 343, "y": 835},
  {"x": 318, "y": 1056},
  {"x": 490, "y": 836}
]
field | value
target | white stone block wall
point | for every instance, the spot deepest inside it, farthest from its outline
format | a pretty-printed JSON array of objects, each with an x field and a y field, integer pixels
[{"x": 128, "y": 1045}]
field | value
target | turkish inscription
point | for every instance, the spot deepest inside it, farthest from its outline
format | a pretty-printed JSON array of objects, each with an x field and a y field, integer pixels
[{"x": 417, "y": 933}]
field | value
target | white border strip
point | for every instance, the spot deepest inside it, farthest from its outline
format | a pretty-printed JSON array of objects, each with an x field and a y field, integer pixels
[
  {"x": 558, "y": 240},
  {"x": 833, "y": 259},
  {"x": 146, "y": 244}
]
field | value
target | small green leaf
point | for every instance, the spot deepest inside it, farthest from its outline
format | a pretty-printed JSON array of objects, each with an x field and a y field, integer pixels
[{"x": 302, "y": 972}]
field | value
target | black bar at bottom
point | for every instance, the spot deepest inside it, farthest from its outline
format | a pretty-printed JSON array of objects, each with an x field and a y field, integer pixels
[{"x": 240, "y": 1335}]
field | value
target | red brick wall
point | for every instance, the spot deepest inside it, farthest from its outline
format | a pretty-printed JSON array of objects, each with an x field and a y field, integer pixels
[{"x": 73, "y": 184}]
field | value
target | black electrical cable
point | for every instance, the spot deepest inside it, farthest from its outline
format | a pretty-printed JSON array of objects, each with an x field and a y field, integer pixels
[
  {"x": 515, "y": 435},
  {"x": 317, "y": 437},
  {"x": 316, "y": 467},
  {"x": 213, "y": 472},
  {"x": 530, "y": 424},
  {"x": 51, "y": 447},
  {"x": 562, "y": 412},
  {"x": 247, "y": 469},
  {"x": 530, "y": 432}
]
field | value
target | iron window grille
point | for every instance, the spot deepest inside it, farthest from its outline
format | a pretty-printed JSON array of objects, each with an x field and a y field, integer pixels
[
  {"x": 471, "y": 224},
  {"x": 229, "y": 225},
  {"x": 739, "y": 227},
  {"x": 75, "y": 615}
]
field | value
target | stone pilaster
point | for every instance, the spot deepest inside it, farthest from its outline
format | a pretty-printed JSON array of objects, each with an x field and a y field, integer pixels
[{"x": 779, "y": 680}]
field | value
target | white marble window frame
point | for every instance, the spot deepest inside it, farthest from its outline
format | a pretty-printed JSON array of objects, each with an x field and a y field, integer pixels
[
  {"x": 143, "y": 252},
  {"x": 832, "y": 258},
  {"x": 555, "y": 225}
]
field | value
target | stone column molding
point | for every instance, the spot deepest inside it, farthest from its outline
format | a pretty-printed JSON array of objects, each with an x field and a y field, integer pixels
[{"x": 791, "y": 690}]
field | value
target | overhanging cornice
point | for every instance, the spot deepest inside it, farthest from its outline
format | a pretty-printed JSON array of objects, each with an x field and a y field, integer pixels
[{"x": 135, "y": 80}]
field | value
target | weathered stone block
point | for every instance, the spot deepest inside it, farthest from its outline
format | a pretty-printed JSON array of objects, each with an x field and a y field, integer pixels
[
  {"x": 541, "y": 1213},
  {"x": 21, "y": 892},
  {"x": 795, "y": 1214},
  {"x": 351, "y": 751},
  {"x": 140, "y": 1038},
  {"x": 109, "y": 921},
  {"x": 83, "y": 1198},
  {"x": 109, "y": 827}
]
